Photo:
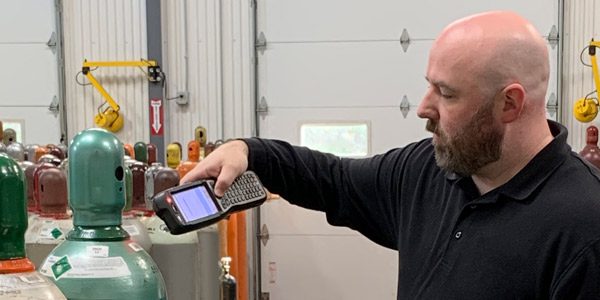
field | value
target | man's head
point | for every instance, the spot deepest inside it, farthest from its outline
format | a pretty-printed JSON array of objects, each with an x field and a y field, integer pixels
[{"x": 488, "y": 75}]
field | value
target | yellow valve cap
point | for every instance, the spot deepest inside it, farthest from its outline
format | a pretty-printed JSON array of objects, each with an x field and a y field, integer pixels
[{"x": 585, "y": 110}]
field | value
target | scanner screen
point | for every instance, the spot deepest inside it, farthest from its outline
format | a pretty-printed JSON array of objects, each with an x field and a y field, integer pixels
[{"x": 195, "y": 203}]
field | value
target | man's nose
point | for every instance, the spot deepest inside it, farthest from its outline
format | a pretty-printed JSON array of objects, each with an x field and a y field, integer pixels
[{"x": 427, "y": 109}]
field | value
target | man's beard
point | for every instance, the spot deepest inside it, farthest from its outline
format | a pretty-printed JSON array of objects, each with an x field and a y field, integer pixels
[{"x": 475, "y": 145}]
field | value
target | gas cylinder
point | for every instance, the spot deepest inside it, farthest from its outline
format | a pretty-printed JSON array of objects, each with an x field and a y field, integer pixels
[
  {"x": 49, "y": 158},
  {"x": 193, "y": 159},
  {"x": 141, "y": 152},
  {"x": 18, "y": 279},
  {"x": 16, "y": 151},
  {"x": 136, "y": 229},
  {"x": 200, "y": 135},
  {"x": 210, "y": 147},
  {"x": 149, "y": 183},
  {"x": 129, "y": 150},
  {"x": 10, "y": 136},
  {"x": 228, "y": 286},
  {"x": 138, "y": 169},
  {"x": 57, "y": 152},
  {"x": 39, "y": 152},
  {"x": 173, "y": 155},
  {"x": 591, "y": 152},
  {"x": 186, "y": 260},
  {"x": 98, "y": 259},
  {"x": 151, "y": 154},
  {"x": 31, "y": 207},
  {"x": 50, "y": 226},
  {"x": 30, "y": 152}
]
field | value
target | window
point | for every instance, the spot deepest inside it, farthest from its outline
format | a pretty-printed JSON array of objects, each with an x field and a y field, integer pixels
[{"x": 349, "y": 139}]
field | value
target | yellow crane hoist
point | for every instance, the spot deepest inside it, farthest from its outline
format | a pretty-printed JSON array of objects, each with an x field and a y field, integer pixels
[
  {"x": 586, "y": 109},
  {"x": 111, "y": 118}
]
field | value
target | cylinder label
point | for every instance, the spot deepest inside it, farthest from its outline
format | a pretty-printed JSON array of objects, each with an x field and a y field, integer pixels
[{"x": 85, "y": 267}]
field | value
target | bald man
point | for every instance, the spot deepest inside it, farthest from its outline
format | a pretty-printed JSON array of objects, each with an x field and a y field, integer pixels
[{"x": 494, "y": 206}]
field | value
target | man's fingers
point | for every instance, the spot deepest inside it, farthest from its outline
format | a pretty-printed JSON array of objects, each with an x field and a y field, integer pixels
[{"x": 225, "y": 179}]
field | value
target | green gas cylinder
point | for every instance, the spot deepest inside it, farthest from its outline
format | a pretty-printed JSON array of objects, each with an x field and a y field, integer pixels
[
  {"x": 18, "y": 278},
  {"x": 98, "y": 259},
  {"x": 141, "y": 152}
]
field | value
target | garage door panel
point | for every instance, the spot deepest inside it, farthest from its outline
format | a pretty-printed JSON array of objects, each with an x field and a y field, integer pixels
[
  {"x": 388, "y": 128},
  {"x": 320, "y": 261},
  {"x": 292, "y": 219},
  {"x": 30, "y": 73},
  {"x": 35, "y": 121},
  {"x": 343, "y": 74},
  {"x": 314, "y": 20},
  {"x": 21, "y": 14}
]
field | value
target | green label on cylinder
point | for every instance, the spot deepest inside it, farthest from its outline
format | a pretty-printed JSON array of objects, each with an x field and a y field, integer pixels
[{"x": 61, "y": 267}]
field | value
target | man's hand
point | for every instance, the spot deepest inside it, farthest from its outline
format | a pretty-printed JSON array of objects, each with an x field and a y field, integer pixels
[{"x": 225, "y": 164}]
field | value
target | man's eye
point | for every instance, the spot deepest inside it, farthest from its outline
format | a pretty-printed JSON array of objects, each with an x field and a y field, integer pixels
[{"x": 447, "y": 96}]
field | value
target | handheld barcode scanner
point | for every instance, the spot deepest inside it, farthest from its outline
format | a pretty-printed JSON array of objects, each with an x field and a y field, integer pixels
[{"x": 194, "y": 205}]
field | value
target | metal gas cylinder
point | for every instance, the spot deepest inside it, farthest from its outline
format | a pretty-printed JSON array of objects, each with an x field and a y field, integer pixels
[
  {"x": 149, "y": 183},
  {"x": 16, "y": 151},
  {"x": 9, "y": 137},
  {"x": 138, "y": 169},
  {"x": 129, "y": 150},
  {"x": 51, "y": 225},
  {"x": 49, "y": 158},
  {"x": 141, "y": 152},
  {"x": 132, "y": 224},
  {"x": 173, "y": 155},
  {"x": 30, "y": 152},
  {"x": 591, "y": 152},
  {"x": 39, "y": 152},
  {"x": 18, "y": 279},
  {"x": 57, "y": 152},
  {"x": 98, "y": 259},
  {"x": 151, "y": 154},
  {"x": 186, "y": 260}
]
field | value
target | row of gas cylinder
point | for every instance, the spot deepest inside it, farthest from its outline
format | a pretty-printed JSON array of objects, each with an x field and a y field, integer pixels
[{"x": 187, "y": 263}]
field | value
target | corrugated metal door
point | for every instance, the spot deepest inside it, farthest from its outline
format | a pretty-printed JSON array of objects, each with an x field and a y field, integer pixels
[
  {"x": 29, "y": 70},
  {"x": 339, "y": 60}
]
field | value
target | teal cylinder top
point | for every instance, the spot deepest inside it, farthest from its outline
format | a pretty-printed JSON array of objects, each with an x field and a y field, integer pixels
[
  {"x": 96, "y": 178},
  {"x": 141, "y": 152},
  {"x": 13, "y": 209}
]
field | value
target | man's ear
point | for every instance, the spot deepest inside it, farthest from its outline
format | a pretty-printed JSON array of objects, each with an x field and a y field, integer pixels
[{"x": 513, "y": 100}]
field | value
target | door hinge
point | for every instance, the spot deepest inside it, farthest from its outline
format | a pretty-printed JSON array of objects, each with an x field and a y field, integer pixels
[
  {"x": 53, "y": 107},
  {"x": 404, "y": 106},
  {"x": 553, "y": 37},
  {"x": 261, "y": 43},
  {"x": 552, "y": 106},
  {"x": 404, "y": 40},
  {"x": 262, "y": 108},
  {"x": 263, "y": 236},
  {"x": 52, "y": 42}
]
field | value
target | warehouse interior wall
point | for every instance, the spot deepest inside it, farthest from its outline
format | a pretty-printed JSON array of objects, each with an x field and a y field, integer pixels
[
  {"x": 207, "y": 57},
  {"x": 580, "y": 25}
]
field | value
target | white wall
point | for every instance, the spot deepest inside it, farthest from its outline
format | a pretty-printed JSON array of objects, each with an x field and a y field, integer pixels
[
  {"x": 580, "y": 25},
  {"x": 106, "y": 30},
  {"x": 206, "y": 51}
]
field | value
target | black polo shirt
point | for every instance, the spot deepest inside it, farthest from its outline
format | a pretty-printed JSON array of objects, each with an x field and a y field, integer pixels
[{"x": 537, "y": 236}]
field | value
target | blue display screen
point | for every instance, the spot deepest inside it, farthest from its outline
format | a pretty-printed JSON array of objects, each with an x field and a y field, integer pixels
[{"x": 195, "y": 203}]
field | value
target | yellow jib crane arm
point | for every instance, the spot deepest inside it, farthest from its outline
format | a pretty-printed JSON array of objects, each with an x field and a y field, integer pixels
[{"x": 110, "y": 118}]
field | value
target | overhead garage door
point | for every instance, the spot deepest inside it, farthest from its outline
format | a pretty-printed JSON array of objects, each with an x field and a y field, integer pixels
[
  {"x": 29, "y": 76},
  {"x": 341, "y": 62}
]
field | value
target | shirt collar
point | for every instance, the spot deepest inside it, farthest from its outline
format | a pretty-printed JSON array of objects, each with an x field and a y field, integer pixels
[{"x": 536, "y": 171}]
